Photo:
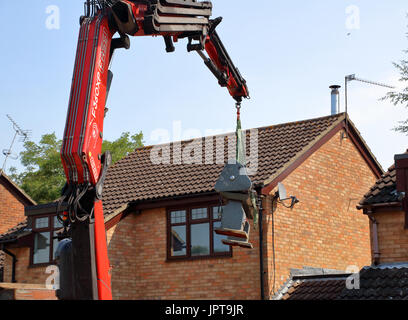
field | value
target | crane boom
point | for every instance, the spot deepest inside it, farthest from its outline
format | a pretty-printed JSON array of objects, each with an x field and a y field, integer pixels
[{"x": 84, "y": 164}]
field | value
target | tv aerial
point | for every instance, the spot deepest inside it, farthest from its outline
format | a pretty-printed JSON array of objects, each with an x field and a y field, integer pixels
[
  {"x": 23, "y": 137},
  {"x": 352, "y": 77}
]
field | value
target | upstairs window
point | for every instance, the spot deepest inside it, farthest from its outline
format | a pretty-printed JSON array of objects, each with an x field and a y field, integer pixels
[
  {"x": 45, "y": 242},
  {"x": 191, "y": 233}
]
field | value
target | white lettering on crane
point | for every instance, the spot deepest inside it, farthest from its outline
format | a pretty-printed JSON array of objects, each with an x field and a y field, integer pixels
[
  {"x": 97, "y": 91},
  {"x": 101, "y": 68}
]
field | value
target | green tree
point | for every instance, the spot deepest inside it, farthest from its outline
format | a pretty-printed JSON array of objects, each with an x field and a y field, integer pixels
[
  {"x": 123, "y": 145},
  {"x": 401, "y": 97},
  {"x": 44, "y": 178}
]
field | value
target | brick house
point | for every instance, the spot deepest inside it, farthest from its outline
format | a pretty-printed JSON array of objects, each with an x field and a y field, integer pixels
[
  {"x": 12, "y": 202},
  {"x": 160, "y": 215},
  {"x": 386, "y": 206},
  {"x": 387, "y": 277}
]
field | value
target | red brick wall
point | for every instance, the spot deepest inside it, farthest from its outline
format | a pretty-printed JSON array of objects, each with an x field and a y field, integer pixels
[
  {"x": 24, "y": 273},
  {"x": 29, "y": 279},
  {"x": 11, "y": 209},
  {"x": 27, "y": 291},
  {"x": 392, "y": 236},
  {"x": 35, "y": 294},
  {"x": 137, "y": 252},
  {"x": 325, "y": 229}
]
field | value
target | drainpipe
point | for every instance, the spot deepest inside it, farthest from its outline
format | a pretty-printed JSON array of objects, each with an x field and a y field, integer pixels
[
  {"x": 376, "y": 250},
  {"x": 13, "y": 270},
  {"x": 261, "y": 262}
]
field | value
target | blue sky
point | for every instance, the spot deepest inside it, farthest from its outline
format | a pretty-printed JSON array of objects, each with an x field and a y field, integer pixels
[{"x": 290, "y": 52}]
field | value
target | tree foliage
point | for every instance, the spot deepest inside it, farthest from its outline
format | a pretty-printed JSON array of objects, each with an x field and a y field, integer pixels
[
  {"x": 401, "y": 97},
  {"x": 44, "y": 178},
  {"x": 123, "y": 145}
]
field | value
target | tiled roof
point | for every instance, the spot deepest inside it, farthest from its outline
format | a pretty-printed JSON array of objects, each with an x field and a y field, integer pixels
[
  {"x": 384, "y": 190},
  {"x": 11, "y": 235},
  {"x": 136, "y": 178},
  {"x": 380, "y": 283},
  {"x": 376, "y": 283},
  {"x": 313, "y": 288},
  {"x": 14, "y": 232}
]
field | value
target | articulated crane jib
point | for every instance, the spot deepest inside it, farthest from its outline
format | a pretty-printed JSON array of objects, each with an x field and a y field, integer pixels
[{"x": 83, "y": 257}]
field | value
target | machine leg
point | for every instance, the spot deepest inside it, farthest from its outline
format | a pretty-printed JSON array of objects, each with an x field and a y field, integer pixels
[{"x": 101, "y": 255}]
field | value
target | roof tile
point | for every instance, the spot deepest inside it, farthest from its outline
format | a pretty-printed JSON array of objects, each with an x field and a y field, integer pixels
[
  {"x": 376, "y": 283},
  {"x": 137, "y": 178},
  {"x": 12, "y": 233},
  {"x": 384, "y": 190}
]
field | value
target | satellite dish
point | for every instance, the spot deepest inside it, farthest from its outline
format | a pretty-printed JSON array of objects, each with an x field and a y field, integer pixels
[
  {"x": 282, "y": 195},
  {"x": 282, "y": 191}
]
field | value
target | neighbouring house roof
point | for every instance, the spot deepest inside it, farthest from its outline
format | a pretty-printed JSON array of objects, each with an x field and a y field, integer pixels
[
  {"x": 136, "y": 178},
  {"x": 13, "y": 187},
  {"x": 14, "y": 233},
  {"x": 384, "y": 191},
  {"x": 312, "y": 284},
  {"x": 10, "y": 236},
  {"x": 313, "y": 288},
  {"x": 384, "y": 282}
]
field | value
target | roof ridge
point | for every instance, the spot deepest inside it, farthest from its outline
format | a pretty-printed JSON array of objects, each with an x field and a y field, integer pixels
[
  {"x": 388, "y": 266},
  {"x": 15, "y": 185},
  {"x": 338, "y": 115},
  {"x": 325, "y": 276}
]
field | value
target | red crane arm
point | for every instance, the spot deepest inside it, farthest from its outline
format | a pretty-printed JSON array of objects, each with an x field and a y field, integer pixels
[
  {"x": 226, "y": 73},
  {"x": 84, "y": 165}
]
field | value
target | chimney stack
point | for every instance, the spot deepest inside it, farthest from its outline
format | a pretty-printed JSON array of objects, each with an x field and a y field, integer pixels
[
  {"x": 335, "y": 99},
  {"x": 401, "y": 167}
]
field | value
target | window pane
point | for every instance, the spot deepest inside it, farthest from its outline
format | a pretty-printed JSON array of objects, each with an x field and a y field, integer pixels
[
  {"x": 218, "y": 245},
  {"x": 200, "y": 239},
  {"x": 217, "y": 212},
  {"x": 41, "y": 223},
  {"x": 178, "y": 241},
  {"x": 57, "y": 223},
  {"x": 178, "y": 216},
  {"x": 41, "y": 247},
  {"x": 200, "y": 213}
]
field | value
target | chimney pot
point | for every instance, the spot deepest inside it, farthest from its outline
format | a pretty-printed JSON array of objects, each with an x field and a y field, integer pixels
[{"x": 335, "y": 99}]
